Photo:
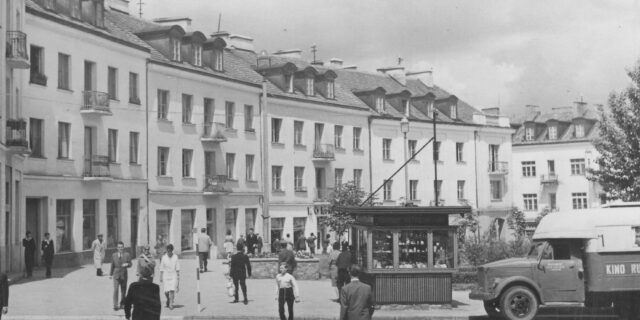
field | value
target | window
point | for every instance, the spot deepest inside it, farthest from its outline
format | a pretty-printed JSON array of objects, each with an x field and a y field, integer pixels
[
  {"x": 113, "y": 145},
  {"x": 276, "y": 178},
  {"x": 387, "y": 190},
  {"x": 356, "y": 138},
  {"x": 249, "y": 158},
  {"x": 277, "y": 231},
  {"x": 276, "y": 124},
  {"x": 339, "y": 173},
  {"x": 413, "y": 189},
  {"x": 197, "y": 55},
  {"x": 553, "y": 132},
  {"x": 89, "y": 76},
  {"x": 552, "y": 201},
  {"x": 310, "y": 89},
  {"x": 579, "y": 200},
  {"x": 163, "y": 104},
  {"x": 579, "y": 131},
  {"x": 298, "y": 179},
  {"x": 496, "y": 190},
  {"x": 37, "y": 75},
  {"x": 64, "y": 66},
  {"x": 380, "y": 104},
  {"x": 135, "y": 217},
  {"x": 218, "y": 60},
  {"x": 211, "y": 223},
  {"x": 113, "y": 213},
  {"x": 187, "y": 159},
  {"x": 337, "y": 136},
  {"x": 436, "y": 151},
  {"x": 331, "y": 89},
  {"x": 163, "y": 161},
  {"x": 288, "y": 82},
  {"x": 134, "y": 96},
  {"x": 36, "y": 137},
  {"x": 231, "y": 159},
  {"x": 357, "y": 178},
  {"x": 163, "y": 226},
  {"x": 298, "y": 226},
  {"x": 133, "y": 147},
  {"x": 405, "y": 107},
  {"x": 530, "y": 201},
  {"x": 459, "y": 154},
  {"x": 209, "y": 163},
  {"x": 230, "y": 109},
  {"x": 63, "y": 140},
  {"x": 577, "y": 166},
  {"x": 528, "y": 134},
  {"x": 453, "y": 111},
  {"x": 187, "y": 108},
  {"x": 64, "y": 228},
  {"x": 460, "y": 189},
  {"x": 528, "y": 168},
  {"x": 176, "y": 48},
  {"x": 412, "y": 147},
  {"x": 248, "y": 118},
  {"x": 187, "y": 219},
  {"x": 297, "y": 132},
  {"x": 112, "y": 83},
  {"x": 439, "y": 190},
  {"x": 89, "y": 210},
  {"x": 386, "y": 149},
  {"x": 551, "y": 166},
  {"x": 209, "y": 108}
]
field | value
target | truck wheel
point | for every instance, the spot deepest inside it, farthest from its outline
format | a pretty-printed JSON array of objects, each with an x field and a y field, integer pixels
[
  {"x": 492, "y": 307},
  {"x": 519, "y": 303}
]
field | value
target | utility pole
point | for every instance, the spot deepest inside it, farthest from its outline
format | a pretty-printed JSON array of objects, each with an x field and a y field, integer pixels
[
  {"x": 140, "y": 3},
  {"x": 435, "y": 161},
  {"x": 314, "y": 49}
]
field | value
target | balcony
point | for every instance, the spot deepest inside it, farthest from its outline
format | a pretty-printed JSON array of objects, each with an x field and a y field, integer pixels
[
  {"x": 549, "y": 179},
  {"x": 213, "y": 132},
  {"x": 17, "y": 136},
  {"x": 96, "y": 168},
  {"x": 498, "y": 167},
  {"x": 324, "y": 152},
  {"x": 322, "y": 195},
  {"x": 94, "y": 102},
  {"x": 215, "y": 184},
  {"x": 17, "y": 55}
]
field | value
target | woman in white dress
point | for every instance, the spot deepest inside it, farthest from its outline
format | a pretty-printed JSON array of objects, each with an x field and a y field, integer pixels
[
  {"x": 98, "y": 247},
  {"x": 170, "y": 275}
]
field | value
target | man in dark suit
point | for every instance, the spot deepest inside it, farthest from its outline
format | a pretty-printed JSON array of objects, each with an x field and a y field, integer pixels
[
  {"x": 120, "y": 262},
  {"x": 4, "y": 294},
  {"x": 343, "y": 262},
  {"x": 47, "y": 253},
  {"x": 356, "y": 301},
  {"x": 144, "y": 295},
  {"x": 252, "y": 240},
  {"x": 240, "y": 267},
  {"x": 287, "y": 257}
]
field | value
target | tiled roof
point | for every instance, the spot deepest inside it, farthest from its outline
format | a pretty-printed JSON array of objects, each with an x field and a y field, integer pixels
[{"x": 567, "y": 115}]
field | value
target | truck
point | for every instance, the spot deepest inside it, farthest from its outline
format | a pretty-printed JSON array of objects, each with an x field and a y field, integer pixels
[{"x": 588, "y": 257}]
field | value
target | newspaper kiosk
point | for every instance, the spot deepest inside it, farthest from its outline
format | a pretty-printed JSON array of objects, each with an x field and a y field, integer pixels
[{"x": 408, "y": 254}]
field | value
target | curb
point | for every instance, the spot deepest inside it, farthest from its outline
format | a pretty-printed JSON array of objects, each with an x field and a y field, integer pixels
[{"x": 222, "y": 317}]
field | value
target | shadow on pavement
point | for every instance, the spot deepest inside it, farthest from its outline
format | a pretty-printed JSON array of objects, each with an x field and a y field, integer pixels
[
  {"x": 568, "y": 313},
  {"x": 39, "y": 274}
]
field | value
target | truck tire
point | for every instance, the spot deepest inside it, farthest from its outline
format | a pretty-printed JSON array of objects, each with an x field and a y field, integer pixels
[
  {"x": 519, "y": 303},
  {"x": 492, "y": 307}
]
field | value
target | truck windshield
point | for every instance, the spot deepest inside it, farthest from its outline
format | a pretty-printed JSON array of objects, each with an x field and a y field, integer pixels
[{"x": 536, "y": 249}]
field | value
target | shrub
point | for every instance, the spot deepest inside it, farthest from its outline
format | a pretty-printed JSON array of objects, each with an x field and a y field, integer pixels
[{"x": 486, "y": 250}]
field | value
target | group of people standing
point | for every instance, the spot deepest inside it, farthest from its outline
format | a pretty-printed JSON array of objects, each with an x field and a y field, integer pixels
[
  {"x": 252, "y": 244},
  {"x": 47, "y": 252}
]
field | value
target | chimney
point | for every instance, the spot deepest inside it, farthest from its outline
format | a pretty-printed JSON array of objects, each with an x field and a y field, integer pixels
[
  {"x": 335, "y": 63},
  {"x": 581, "y": 107},
  {"x": 425, "y": 76},
  {"x": 184, "y": 22},
  {"x": 241, "y": 42},
  {"x": 291, "y": 53},
  {"x": 119, "y": 5},
  {"x": 396, "y": 73},
  {"x": 492, "y": 111}
]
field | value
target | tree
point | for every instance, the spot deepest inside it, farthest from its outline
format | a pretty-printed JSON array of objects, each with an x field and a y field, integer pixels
[
  {"x": 618, "y": 169},
  {"x": 345, "y": 195},
  {"x": 517, "y": 223}
]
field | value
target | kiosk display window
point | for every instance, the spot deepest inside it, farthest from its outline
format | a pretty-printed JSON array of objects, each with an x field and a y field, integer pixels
[
  {"x": 442, "y": 249},
  {"x": 382, "y": 249},
  {"x": 413, "y": 249},
  {"x": 362, "y": 248}
]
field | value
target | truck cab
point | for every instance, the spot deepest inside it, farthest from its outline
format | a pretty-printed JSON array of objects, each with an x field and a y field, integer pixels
[{"x": 588, "y": 256}]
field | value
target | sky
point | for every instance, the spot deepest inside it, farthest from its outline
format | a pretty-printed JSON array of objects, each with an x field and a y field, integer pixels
[{"x": 490, "y": 53}]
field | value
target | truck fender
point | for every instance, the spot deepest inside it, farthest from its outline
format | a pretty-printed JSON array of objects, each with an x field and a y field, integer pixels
[{"x": 507, "y": 282}]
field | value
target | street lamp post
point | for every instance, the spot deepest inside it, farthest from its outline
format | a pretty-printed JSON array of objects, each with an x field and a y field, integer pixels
[{"x": 404, "y": 128}]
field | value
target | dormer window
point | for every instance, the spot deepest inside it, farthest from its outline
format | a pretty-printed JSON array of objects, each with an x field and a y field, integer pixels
[
  {"x": 380, "y": 104},
  {"x": 405, "y": 107},
  {"x": 197, "y": 55},
  {"x": 175, "y": 47},
  {"x": 310, "y": 91},
  {"x": 553, "y": 132},
  {"x": 288, "y": 82},
  {"x": 430, "y": 107},
  {"x": 217, "y": 60},
  {"x": 331, "y": 89},
  {"x": 579, "y": 131},
  {"x": 453, "y": 111},
  {"x": 528, "y": 134}
]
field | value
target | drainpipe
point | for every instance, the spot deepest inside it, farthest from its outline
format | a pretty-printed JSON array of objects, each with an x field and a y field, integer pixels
[
  {"x": 475, "y": 154},
  {"x": 264, "y": 158},
  {"x": 369, "y": 120},
  {"x": 146, "y": 80}
]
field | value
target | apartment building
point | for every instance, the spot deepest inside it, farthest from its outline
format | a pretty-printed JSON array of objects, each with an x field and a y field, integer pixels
[
  {"x": 14, "y": 145},
  {"x": 84, "y": 105},
  {"x": 551, "y": 153}
]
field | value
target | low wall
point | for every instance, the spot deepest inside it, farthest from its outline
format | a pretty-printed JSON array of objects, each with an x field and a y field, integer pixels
[{"x": 267, "y": 268}]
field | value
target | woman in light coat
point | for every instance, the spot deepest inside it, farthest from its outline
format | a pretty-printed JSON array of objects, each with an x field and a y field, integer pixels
[
  {"x": 98, "y": 246},
  {"x": 170, "y": 275},
  {"x": 333, "y": 268}
]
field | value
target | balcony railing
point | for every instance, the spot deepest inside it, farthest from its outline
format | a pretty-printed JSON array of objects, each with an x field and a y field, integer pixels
[
  {"x": 95, "y": 102},
  {"x": 551, "y": 178},
  {"x": 322, "y": 194},
  {"x": 96, "y": 167},
  {"x": 498, "y": 167},
  {"x": 17, "y": 135},
  {"x": 215, "y": 184},
  {"x": 214, "y": 131},
  {"x": 324, "y": 152},
  {"x": 17, "y": 55}
]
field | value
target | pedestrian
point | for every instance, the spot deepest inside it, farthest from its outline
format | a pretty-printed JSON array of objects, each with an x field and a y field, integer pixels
[
  {"x": 311, "y": 241},
  {"x": 29, "y": 245},
  {"x": 275, "y": 246},
  {"x": 4, "y": 294},
  {"x": 48, "y": 250},
  {"x": 144, "y": 296},
  {"x": 98, "y": 248},
  {"x": 344, "y": 263},
  {"x": 146, "y": 261},
  {"x": 287, "y": 257},
  {"x": 259, "y": 243},
  {"x": 120, "y": 262},
  {"x": 240, "y": 268},
  {"x": 325, "y": 244},
  {"x": 170, "y": 275},
  {"x": 251, "y": 242},
  {"x": 204, "y": 246},
  {"x": 333, "y": 270},
  {"x": 287, "y": 291},
  {"x": 228, "y": 244},
  {"x": 301, "y": 243},
  {"x": 241, "y": 241},
  {"x": 356, "y": 301}
]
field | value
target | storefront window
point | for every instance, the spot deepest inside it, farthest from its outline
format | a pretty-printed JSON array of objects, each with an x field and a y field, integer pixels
[
  {"x": 113, "y": 210},
  {"x": 442, "y": 249},
  {"x": 163, "y": 223},
  {"x": 63, "y": 224},
  {"x": 89, "y": 208},
  {"x": 382, "y": 246},
  {"x": 186, "y": 230},
  {"x": 277, "y": 227},
  {"x": 413, "y": 247}
]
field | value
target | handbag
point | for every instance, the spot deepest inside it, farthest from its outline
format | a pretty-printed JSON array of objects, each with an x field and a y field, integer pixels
[{"x": 230, "y": 288}]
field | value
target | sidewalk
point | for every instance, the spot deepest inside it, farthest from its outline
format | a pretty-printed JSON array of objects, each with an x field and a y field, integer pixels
[{"x": 74, "y": 294}]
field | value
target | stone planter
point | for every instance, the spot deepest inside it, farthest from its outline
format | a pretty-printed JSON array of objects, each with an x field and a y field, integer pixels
[{"x": 267, "y": 268}]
